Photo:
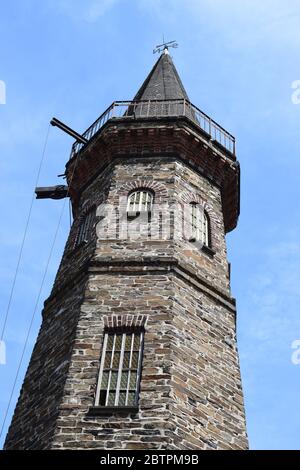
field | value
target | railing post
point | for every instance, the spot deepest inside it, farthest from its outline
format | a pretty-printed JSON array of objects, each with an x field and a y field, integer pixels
[
  {"x": 161, "y": 108},
  {"x": 113, "y": 110}
]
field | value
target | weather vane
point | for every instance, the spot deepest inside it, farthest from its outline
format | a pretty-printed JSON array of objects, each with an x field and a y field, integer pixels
[{"x": 165, "y": 46}]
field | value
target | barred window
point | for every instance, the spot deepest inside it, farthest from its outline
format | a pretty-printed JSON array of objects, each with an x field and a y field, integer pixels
[
  {"x": 140, "y": 201},
  {"x": 120, "y": 369},
  {"x": 84, "y": 229},
  {"x": 199, "y": 224}
]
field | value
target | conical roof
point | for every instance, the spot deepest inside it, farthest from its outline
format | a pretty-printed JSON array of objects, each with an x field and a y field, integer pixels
[{"x": 163, "y": 82}]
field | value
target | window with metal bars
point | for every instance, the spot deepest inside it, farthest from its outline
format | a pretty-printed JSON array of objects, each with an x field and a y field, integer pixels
[
  {"x": 120, "y": 369},
  {"x": 84, "y": 229},
  {"x": 140, "y": 201},
  {"x": 199, "y": 224}
]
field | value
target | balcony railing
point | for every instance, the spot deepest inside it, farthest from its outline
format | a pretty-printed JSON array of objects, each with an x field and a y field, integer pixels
[{"x": 160, "y": 108}]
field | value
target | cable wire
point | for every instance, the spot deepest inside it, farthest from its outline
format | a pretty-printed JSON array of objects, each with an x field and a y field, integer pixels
[
  {"x": 32, "y": 317},
  {"x": 37, "y": 302},
  {"x": 24, "y": 237}
]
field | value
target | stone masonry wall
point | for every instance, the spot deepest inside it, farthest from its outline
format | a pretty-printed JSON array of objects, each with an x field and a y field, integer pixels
[
  {"x": 174, "y": 185},
  {"x": 35, "y": 415},
  {"x": 190, "y": 389},
  {"x": 119, "y": 294},
  {"x": 207, "y": 401},
  {"x": 192, "y": 187}
]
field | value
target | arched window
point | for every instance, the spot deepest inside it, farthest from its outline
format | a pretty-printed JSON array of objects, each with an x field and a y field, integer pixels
[
  {"x": 140, "y": 201},
  {"x": 199, "y": 224}
]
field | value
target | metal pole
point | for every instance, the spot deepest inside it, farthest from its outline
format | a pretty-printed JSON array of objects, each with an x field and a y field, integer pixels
[{"x": 55, "y": 122}]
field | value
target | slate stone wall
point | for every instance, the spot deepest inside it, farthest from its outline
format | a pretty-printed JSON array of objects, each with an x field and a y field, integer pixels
[
  {"x": 191, "y": 395},
  {"x": 37, "y": 410}
]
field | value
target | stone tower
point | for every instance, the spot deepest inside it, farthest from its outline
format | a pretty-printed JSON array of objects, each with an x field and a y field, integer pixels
[{"x": 137, "y": 348}]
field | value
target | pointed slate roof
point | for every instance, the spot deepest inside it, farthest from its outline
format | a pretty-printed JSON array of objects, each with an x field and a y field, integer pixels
[{"x": 163, "y": 82}]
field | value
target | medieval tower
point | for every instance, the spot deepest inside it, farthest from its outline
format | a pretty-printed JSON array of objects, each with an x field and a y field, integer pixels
[{"x": 137, "y": 348}]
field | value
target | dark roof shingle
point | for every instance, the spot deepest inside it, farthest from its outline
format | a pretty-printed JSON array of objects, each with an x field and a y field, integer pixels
[{"x": 163, "y": 82}]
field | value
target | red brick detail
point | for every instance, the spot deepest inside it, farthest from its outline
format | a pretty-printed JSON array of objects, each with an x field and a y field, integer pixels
[
  {"x": 158, "y": 189},
  {"x": 124, "y": 321}
]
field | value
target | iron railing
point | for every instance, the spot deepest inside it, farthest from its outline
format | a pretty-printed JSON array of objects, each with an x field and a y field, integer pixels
[{"x": 160, "y": 108}]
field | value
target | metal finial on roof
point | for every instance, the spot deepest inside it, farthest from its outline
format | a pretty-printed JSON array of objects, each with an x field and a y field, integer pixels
[
  {"x": 164, "y": 47},
  {"x": 163, "y": 82}
]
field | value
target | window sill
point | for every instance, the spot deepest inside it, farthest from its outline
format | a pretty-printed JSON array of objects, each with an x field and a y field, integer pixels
[
  {"x": 112, "y": 410},
  {"x": 206, "y": 249},
  {"x": 133, "y": 215},
  {"x": 209, "y": 251}
]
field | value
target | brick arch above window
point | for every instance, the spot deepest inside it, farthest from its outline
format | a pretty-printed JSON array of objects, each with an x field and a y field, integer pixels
[
  {"x": 124, "y": 321},
  {"x": 158, "y": 189},
  {"x": 187, "y": 197}
]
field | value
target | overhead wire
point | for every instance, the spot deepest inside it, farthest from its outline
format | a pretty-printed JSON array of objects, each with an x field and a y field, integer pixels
[
  {"x": 38, "y": 296},
  {"x": 24, "y": 238}
]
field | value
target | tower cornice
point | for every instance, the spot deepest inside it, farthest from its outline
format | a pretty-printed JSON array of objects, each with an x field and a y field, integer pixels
[
  {"x": 168, "y": 137},
  {"x": 145, "y": 266}
]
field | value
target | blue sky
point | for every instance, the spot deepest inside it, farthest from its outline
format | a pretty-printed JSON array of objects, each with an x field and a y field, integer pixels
[{"x": 237, "y": 60}]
